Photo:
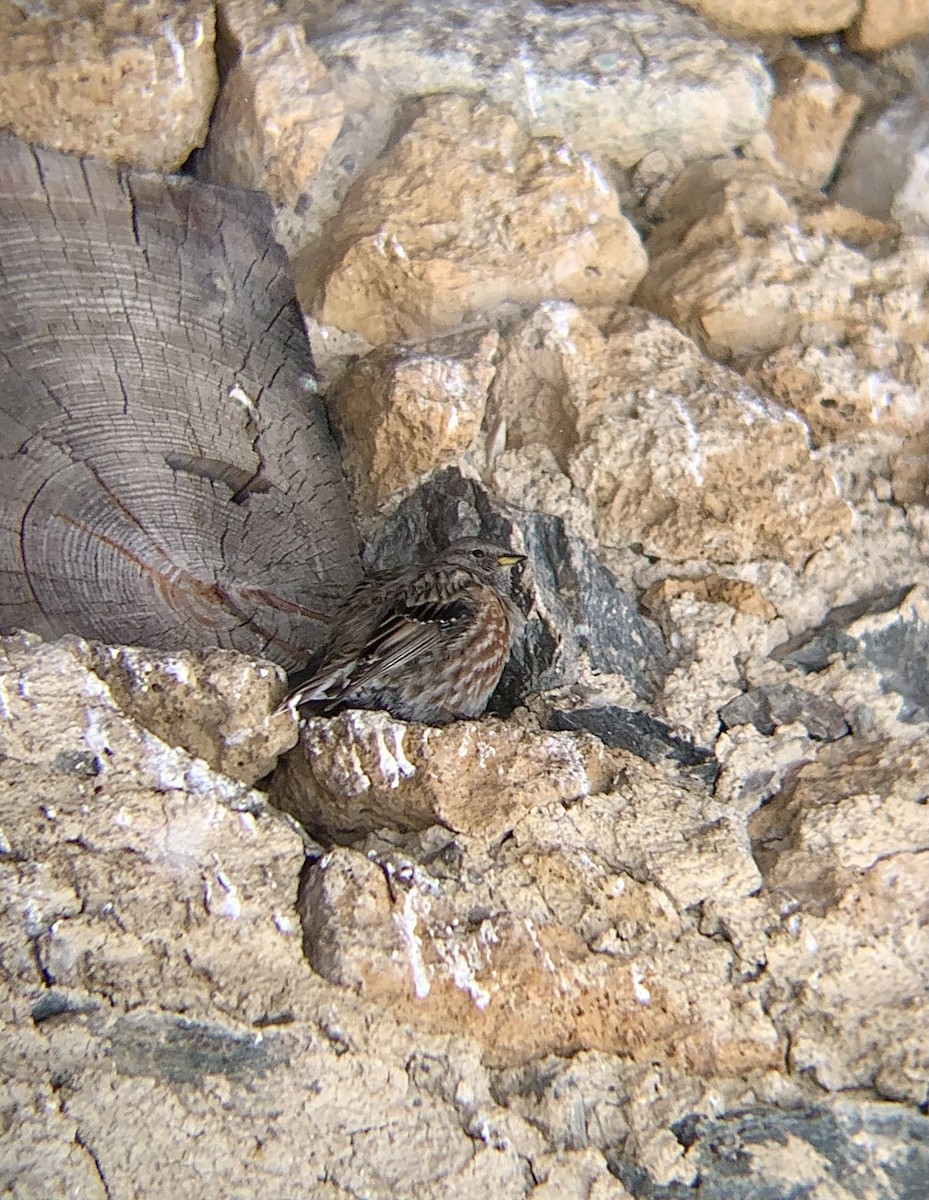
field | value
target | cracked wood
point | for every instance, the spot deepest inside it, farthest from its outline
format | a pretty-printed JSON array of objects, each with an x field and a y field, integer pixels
[{"x": 168, "y": 477}]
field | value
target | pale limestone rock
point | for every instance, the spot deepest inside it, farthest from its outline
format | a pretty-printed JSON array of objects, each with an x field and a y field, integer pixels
[
  {"x": 277, "y": 114},
  {"x": 711, "y": 639},
  {"x": 810, "y": 118},
  {"x": 849, "y": 983},
  {"x": 576, "y": 1175},
  {"x": 98, "y": 782},
  {"x": 746, "y": 18},
  {"x": 363, "y": 770},
  {"x": 450, "y": 929},
  {"x": 613, "y": 78},
  {"x": 443, "y": 953},
  {"x": 822, "y": 307},
  {"x": 741, "y": 594},
  {"x": 837, "y": 396},
  {"x": 668, "y": 448},
  {"x": 404, "y": 411},
  {"x": 885, "y": 23},
  {"x": 152, "y": 958},
  {"x": 857, "y": 803},
  {"x": 617, "y": 79},
  {"x": 132, "y": 83},
  {"x": 754, "y": 765},
  {"x": 215, "y": 705},
  {"x": 42, "y": 1139},
  {"x": 462, "y": 214},
  {"x": 807, "y": 272}
]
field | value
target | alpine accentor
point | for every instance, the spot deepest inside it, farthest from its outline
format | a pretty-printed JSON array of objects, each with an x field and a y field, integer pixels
[{"x": 427, "y": 642}]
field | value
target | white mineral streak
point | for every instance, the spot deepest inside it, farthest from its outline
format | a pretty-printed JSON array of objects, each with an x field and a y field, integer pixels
[
  {"x": 642, "y": 994},
  {"x": 463, "y": 971},
  {"x": 406, "y": 921}
]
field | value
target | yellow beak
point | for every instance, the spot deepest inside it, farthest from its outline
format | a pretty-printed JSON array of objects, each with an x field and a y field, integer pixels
[{"x": 510, "y": 560}]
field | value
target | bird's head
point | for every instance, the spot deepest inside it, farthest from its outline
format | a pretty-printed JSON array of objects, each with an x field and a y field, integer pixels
[{"x": 487, "y": 560}]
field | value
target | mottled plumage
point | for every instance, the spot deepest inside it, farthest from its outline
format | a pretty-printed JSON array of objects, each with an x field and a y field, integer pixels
[{"x": 426, "y": 643}]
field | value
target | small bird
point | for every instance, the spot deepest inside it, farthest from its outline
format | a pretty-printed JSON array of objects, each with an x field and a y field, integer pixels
[{"x": 427, "y": 642}]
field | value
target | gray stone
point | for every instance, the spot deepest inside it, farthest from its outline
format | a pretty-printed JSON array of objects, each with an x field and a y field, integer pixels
[
  {"x": 782, "y": 704},
  {"x": 576, "y": 608},
  {"x": 889, "y": 632},
  {"x": 642, "y": 735},
  {"x": 885, "y": 171},
  {"x": 869, "y": 1151}
]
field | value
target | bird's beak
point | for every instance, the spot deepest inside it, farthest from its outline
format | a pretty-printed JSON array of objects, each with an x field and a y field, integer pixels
[{"x": 510, "y": 560}]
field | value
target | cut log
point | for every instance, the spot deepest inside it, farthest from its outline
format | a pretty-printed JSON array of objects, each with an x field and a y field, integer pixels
[{"x": 167, "y": 474}]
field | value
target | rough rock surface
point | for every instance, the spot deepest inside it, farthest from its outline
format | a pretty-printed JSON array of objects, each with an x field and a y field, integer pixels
[
  {"x": 402, "y": 412},
  {"x": 804, "y": 17},
  {"x": 131, "y": 83},
  {"x": 885, "y": 23},
  {"x": 887, "y": 632},
  {"x": 362, "y": 771},
  {"x": 277, "y": 113},
  {"x": 823, "y": 307},
  {"x": 153, "y": 979},
  {"x": 811, "y": 117},
  {"x": 669, "y": 449},
  {"x": 809, "y": 273},
  {"x": 547, "y": 941},
  {"x": 205, "y": 703},
  {"x": 828, "y": 1150},
  {"x": 463, "y": 213},
  {"x": 656, "y": 935},
  {"x": 620, "y": 79}
]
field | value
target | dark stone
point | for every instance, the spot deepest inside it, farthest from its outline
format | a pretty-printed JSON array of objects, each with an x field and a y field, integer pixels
[
  {"x": 579, "y": 608},
  {"x": 772, "y": 705},
  {"x": 813, "y": 649},
  {"x": 900, "y": 654},
  {"x": 54, "y": 1003},
  {"x": 642, "y": 735},
  {"x": 868, "y": 1150},
  {"x": 898, "y": 650},
  {"x": 76, "y": 762},
  {"x": 183, "y": 1051}
]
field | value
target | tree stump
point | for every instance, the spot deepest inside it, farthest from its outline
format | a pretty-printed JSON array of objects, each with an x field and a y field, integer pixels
[{"x": 167, "y": 474}]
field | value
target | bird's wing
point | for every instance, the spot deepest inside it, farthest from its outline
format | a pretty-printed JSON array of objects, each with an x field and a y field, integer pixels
[
  {"x": 407, "y": 632},
  {"x": 324, "y": 675}
]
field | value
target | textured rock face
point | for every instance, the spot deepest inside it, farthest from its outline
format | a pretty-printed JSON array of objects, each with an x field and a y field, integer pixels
[
  {"x": 552, "y": 897},
  {"x": 886, "y": 170},
  {"x": 403, "y": 412},
  {"x": 803, "y": 276},
  {"x": 885, "y": 23},
  {"x": 361, "y": 771},
  {"x": 462, "y": 214},
  {"x": 619, "y": 79},
  {"x": 668, "y": 449},
  {"x": 131, "y": 83},
  {"x": 810, "y": 119},
  {"x": 545, "y": 943},
  {"x": 277, "y": 113},
  {"x": 803, "y": 17},
  {"x": 152, "y": 960},
  {"x": 823, "y": 308},
  {"x": 205, "y": 703},
  {"x": 657, "y": 926}
]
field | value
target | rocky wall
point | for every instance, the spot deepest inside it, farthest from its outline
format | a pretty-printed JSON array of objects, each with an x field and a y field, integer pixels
[{"x": 576, "y": 276}]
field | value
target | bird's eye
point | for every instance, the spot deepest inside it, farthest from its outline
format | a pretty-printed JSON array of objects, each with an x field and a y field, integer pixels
[{"x": 478, "y": 553}]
